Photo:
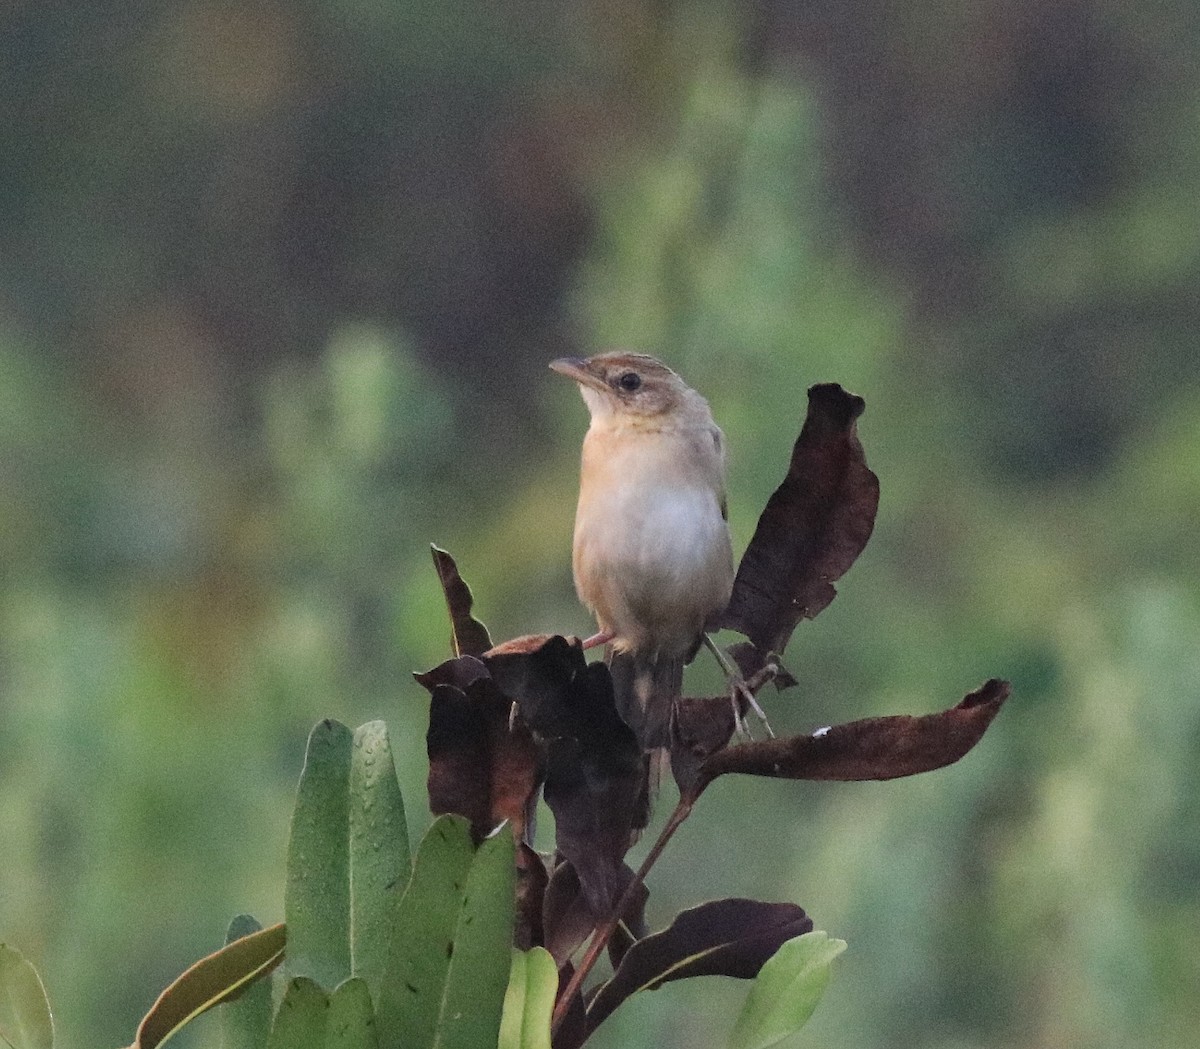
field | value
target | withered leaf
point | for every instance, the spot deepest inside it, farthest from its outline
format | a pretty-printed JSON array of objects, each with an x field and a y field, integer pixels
[
  {"x": 480, "y": 767},
  {"x": 700, "y": 727},
  {"x": 461, "y": 672},
  {"x": 598, "y": 801},
  {"x": 871, "y": 749},
  {"x": 595, "y": 771},
  {"x": 459, "y": 778},
  {"x": 526, "y": 644},
  {"x": 574, "y": 1030},
  {"x": 468, "y": 636},
  {"x": 568, "y": 918},
  {"x": 813, "y": 528},
  {"x": 538, "y": 672},
  {"x": 732, "y": 937},
  {"x": 531, "y": 897}
]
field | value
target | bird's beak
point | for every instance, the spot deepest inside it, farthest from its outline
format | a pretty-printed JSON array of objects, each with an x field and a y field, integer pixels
[{"x": 577, "y": 368}]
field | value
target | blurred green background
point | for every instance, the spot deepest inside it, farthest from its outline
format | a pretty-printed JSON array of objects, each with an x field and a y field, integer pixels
[{"x": 278, "y": 285}]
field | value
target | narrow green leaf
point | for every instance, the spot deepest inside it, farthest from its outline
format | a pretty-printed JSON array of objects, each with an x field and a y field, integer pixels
[
  {"x": 316, "y": 901},
  {"x": 786, "y": 991},
  {"x": 246, "y": 1021},
  {"x": 482, "y": 950},
  {"x": 379, "y": 861},
  {"x": 421, "y": 940},
  {"x": 218, "y": 978},
  {"x": 529, "y": 1000},
  {"x": 351, "y": 1018},
  {"x": 25, "y": 1021},
  {"x": 302, "y": 1018}
]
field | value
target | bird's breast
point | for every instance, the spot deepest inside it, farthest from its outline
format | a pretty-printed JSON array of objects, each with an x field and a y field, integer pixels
[{"x": 652, "y": 552}]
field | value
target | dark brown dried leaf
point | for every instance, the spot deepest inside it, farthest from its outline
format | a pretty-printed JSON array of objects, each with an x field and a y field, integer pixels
[
  {"x": 524, "y": 645},
  {"x": 871, "y": 749},
  {"x": 457, "y": 744},
  {"x": 813, "y": 528},
  {"x": 595, "y": 771},
  {"x": 598, "y": 801},
  {"x": 531, "y": 898},
  {"x": 569, "y": 919},
  {"x": 468, "y": 636},
  {"x": 700, "y": 727},
  {"x": 460, "y": 672},
  {"x": 539, "y": 673},
  {"x": 574, "y": 1030},
  {"x": 724, "y": 938},
  {"x": 480, "y": 766}
]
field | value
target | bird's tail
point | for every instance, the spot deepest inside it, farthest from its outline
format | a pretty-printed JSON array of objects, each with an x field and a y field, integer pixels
[{"x": 646, "y": 689}]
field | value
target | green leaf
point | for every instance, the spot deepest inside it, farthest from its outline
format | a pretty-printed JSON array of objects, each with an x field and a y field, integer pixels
[
  {"x": 379, "y": 861},
  {"x": 451, "y": 947},
  {"x": 529, "y": 1000},
  {"x": 786, "y": 991},
  {"x": 351, "y": 1023},
  {"x": 25, "y": 1021},
  {"x": 246, "y": 1021},
  {"x": 218, "y": 978},
  {"x": 302, "y": 1018},
  {"x": 316, "y": 901},
  {"x": 422, "y": 938},
  {"x": 482, "y": 950}
]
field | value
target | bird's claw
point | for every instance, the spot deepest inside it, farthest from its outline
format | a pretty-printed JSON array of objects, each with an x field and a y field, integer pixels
[
  {"x": 741, "y": 695},
  {"x": 742, "y": 690}
]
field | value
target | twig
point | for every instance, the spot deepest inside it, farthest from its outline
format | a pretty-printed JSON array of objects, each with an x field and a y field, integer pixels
[{"x": 604, "y": 933}]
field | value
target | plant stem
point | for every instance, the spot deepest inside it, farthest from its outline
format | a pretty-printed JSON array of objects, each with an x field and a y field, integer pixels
[{"x": 604, "y": 933}]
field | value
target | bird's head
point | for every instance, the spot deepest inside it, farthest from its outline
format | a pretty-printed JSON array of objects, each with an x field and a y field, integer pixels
[{"x": 634, "y": 389}]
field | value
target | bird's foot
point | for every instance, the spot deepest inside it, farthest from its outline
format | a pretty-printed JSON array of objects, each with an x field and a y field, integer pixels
[
  {"x": 602, "y": 638},
  {"x": 742, "y": 696},
  {"x": 742, "y": 690}
]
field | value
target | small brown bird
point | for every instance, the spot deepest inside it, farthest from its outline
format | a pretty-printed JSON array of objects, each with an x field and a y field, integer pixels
[{"x": 652, "y": 554}]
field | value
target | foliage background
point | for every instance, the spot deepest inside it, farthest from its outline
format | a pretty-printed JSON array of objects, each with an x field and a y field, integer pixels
[{"x": 278, "y": 282}]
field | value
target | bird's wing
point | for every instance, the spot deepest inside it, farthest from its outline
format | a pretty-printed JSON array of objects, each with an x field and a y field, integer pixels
[{"x": 719, "y": 443}]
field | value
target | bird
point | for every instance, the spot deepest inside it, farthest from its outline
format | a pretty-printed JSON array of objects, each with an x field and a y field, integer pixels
[{"x": 652, "y": 555}]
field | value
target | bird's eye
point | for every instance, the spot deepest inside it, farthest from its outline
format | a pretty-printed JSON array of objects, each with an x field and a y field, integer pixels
[{"x": 629, "y": 382}]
